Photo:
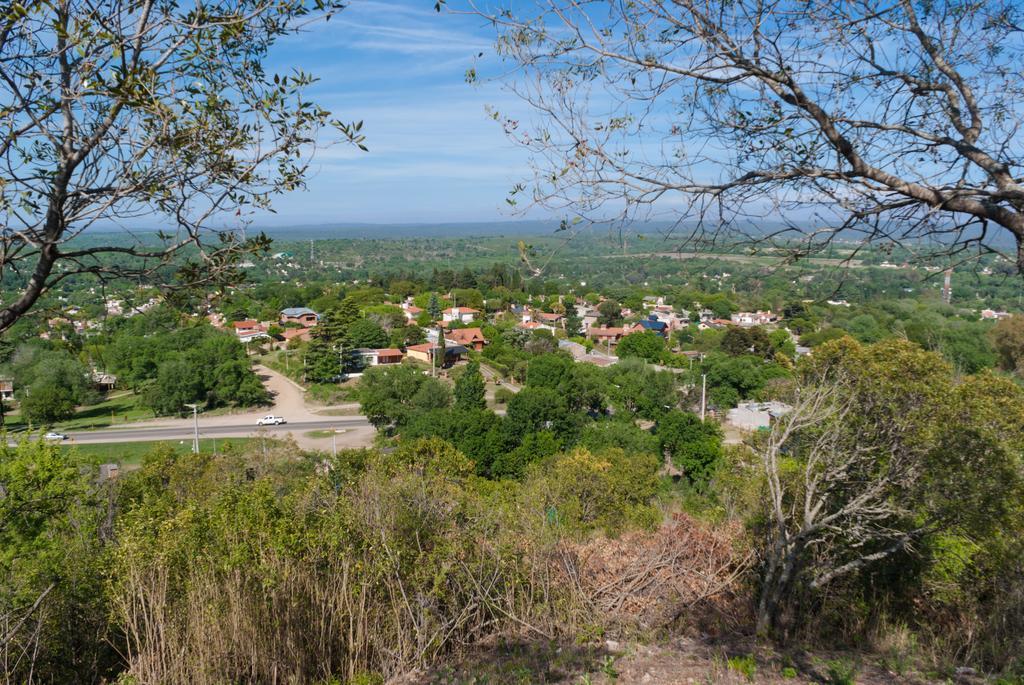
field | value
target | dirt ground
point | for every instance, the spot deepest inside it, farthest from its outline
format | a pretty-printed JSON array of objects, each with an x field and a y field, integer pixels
[{"x": 678, "y": 662}]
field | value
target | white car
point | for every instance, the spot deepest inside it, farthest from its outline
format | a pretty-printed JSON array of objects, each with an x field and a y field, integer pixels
[
  {"x": 54, "y": 435},
  {"x": 271, "y": 420}
]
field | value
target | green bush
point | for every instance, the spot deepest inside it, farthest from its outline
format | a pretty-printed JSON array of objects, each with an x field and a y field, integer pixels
[
  {"x": 744, "y": 665},
  {"x": 840, "y": 672},
  {"x": 503, "y": 395}
]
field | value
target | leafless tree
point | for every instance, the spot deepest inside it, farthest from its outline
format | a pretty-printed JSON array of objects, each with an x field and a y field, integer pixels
[
  {"x": 830, "y": 498},
  {"x": 784, "y": 122},
  {"x": 137, "y": 112}
]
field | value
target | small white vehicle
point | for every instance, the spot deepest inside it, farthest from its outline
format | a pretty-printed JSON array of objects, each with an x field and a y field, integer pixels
[
  {"x": 54, "y": 435},
  {"x": 271, "y": 420}
]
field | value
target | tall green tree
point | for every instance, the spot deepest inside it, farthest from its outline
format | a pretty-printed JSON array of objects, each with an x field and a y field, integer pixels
[
  {"x": 334, "y": 324},
  {"x": 51, "y": 568},
  {"x": 646, "y": 345},
  {"x": 47, "y": 402},
  {"x": 390, "y": 396},
  {"x": 609, "y": 313},
  {"x": 366, "y": 333},
  {"x": 434, "y": 307},
  {"x": 693, "y": 446},
  {"x": 469, "y": 388},
  {"x": 573, "y": 323},
  {"x": 322, "y": 362},
  {"x": 1008, "y": 339}
]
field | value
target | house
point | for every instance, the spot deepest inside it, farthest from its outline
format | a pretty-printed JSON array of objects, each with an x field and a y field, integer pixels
[
  {"x": 304, "y": 316},
  {"x": 991, "y": 314},
  {"x": 651, "y": 323},
  {"x": 290, "y": 334},
  {"x": 714, "y": 323},
  {"x": 459, "y": 314},
  {"x": 427, "y": 351},
  {"x": 412, "y": 312},
  {"x": 758, "y": 318},
  {"x": 249, "y": 330},
  {"x": 549, "y": 318},
  {"x": 606, "y": 334},
  {"x": 380, "y": 357},
  {"x": 535, "y": 326},
  {"x": 472, "y": 338},
  {"x": 577, "y": 351},
  {"x": 752, "y": 416},
  {"x": 6, "y": 389},
  {"x": 104, "y": 382}
]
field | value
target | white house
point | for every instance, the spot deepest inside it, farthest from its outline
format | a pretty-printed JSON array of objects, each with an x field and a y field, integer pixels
[
  {"x": 380, "y": 357},
  {"x": 249, "y": 330},
  {"x": 460, "y": 314},
  {"x": 753, "y": 318},
  {"x": 752, "y": 416}
]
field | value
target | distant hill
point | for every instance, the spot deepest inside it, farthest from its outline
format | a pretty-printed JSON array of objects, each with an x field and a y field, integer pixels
[{"x": 399, "y": 231}]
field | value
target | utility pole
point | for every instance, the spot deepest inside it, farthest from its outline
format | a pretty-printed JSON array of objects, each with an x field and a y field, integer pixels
[
  {"x": 312, "y": 259},
  {"x": 195, "y": 424},
  {"x": 703, "y": 395}
]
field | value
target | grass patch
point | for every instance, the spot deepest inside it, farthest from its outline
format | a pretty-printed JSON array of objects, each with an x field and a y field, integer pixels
[
  {"x": 132, "y": 453},
  {"x": 286, "y": 364},
  {"x": 745, "y": 665},
  {"x": 331, "y": 393},
  {"x": 120, "y": 407},
  {"x": 340, "y": 411},
  {"x": 322, "y": 433}
]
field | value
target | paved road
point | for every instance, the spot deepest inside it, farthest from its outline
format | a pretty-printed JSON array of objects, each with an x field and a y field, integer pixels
[
  {"x": 235, "y": 430},
  {"x": 490, "y": 374}
]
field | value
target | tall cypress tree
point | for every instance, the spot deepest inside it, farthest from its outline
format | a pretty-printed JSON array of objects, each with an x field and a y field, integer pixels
[
  {"x": 334, "y": 324},
  {"x": 470, "y": 389},
  {"x": 434, "y": 307}
]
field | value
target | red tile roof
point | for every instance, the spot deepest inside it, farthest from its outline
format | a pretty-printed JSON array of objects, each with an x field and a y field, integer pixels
[
  {"x": 290, "y": 333},
  {"x": 466, "y": 335},
  {"x": 248, "y": 323}
]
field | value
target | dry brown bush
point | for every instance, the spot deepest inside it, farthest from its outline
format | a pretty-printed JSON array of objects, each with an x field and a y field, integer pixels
[{"x": 684, "y": 571}]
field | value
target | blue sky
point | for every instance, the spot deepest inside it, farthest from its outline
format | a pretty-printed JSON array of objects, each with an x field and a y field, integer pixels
[{"x": 434, "y": 155}]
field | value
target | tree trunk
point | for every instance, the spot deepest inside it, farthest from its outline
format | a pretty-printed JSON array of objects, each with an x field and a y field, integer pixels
[{"x": 781, "y": 570}]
